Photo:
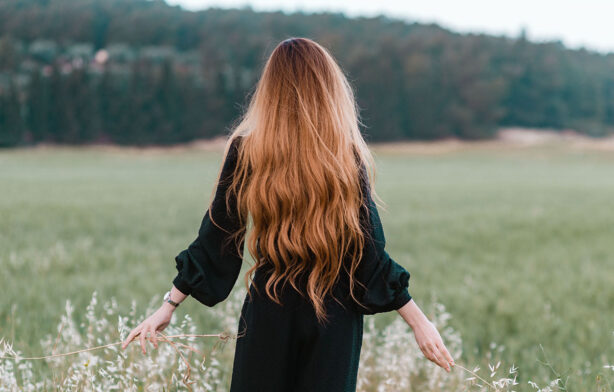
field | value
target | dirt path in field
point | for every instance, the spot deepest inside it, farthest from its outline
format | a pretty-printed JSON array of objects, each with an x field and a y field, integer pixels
[{"x": 508, "y": 138}]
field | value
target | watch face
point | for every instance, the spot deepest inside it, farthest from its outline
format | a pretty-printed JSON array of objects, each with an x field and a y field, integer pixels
[{"x": 167, "y": 295}]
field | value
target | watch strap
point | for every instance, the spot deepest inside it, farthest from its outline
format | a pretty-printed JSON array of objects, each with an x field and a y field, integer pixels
[{"x": 167, "y": 298}]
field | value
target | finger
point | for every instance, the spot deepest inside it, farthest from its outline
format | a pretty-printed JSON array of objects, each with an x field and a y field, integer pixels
[
  {"x": 447, "y": 355},
  {"x": 441, "y": 360},
  {"x": 126, "y": 341},
  {"x": 431, "y": 353},
  {"x": 152, "y": 337},
  {"x": 130, "y": 337},
  {"x": 428, "y": 353},
  {"x": 430, "y": 350},
  {"x": 433, "y": 358},
  {"x": 142, "y": 340}
]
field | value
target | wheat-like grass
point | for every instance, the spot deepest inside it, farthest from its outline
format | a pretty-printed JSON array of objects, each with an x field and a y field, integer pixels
[{"x": 390, "y": 359}]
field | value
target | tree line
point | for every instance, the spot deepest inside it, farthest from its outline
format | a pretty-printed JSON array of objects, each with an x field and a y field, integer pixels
[{"x": 143, "y": 72}]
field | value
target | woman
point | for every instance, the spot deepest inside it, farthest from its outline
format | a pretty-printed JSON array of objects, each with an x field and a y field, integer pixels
[{"x": 299, "y": 169}]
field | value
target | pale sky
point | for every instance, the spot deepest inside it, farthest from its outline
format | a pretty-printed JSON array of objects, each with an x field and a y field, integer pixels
[{"x": 587, "y": 23}]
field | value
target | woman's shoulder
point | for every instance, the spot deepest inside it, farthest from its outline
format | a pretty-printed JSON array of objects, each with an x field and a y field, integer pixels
[
  {"x": 236, "y": 140},
  {"x": 233, "y": 148}
]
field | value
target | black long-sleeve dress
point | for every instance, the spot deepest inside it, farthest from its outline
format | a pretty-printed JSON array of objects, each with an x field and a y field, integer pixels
[{"x": 284, "y": 348}]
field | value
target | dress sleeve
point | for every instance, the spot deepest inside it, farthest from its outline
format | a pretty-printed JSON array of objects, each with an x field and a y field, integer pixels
[
  {"x": 208, "y": 269},
  {"x": 386, "y": 281}
]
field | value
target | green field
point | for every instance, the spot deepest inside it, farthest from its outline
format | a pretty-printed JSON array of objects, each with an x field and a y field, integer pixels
[{"x": 518, "y": 244}]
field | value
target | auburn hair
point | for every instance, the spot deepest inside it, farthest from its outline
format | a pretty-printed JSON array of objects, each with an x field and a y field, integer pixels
[{"x": 297, "y": 176}]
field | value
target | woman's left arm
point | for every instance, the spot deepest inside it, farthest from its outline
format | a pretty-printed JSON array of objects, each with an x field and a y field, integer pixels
[
  {"x": 208, "y": 268},
  {"x": 156, "y": 322}
]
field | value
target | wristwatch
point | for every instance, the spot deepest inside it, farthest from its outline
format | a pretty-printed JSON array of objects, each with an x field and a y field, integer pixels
[{"x": 167, "y": 298}]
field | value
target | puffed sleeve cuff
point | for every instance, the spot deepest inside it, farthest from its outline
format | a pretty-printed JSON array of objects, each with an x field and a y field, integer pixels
[
  {"x": 179, "y": 282},
  {"x": 388, "y": 289},
  {"x": 401, "y": 300},
  {"x": 181, "y": 285}
]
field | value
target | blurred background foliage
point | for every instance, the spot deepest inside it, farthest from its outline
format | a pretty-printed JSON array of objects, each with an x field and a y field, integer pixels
[{"x": 143, "y": 72}]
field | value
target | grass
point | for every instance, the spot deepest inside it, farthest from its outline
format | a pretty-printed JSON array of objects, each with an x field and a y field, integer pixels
[{"x": 517, "y": 243}]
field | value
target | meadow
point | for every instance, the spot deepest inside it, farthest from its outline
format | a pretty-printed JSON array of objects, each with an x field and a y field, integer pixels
[{"x": 517, "y": 243}]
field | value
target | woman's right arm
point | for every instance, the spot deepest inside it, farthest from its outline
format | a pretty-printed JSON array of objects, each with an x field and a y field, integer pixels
[{"x": 387, "y": 285}]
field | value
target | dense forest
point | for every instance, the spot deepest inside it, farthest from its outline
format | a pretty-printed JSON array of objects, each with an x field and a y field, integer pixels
[{"x": 143, "y": 72}]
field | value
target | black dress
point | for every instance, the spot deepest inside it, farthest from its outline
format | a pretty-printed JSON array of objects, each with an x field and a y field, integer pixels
[{"x": 284, "y": 348}]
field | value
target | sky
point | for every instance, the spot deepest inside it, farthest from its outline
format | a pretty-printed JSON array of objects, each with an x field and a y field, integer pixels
[{"x": 587, "y": 23}]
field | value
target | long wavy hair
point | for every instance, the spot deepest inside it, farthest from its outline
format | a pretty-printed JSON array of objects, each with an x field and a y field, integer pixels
[{"x": 297, "y": 178}]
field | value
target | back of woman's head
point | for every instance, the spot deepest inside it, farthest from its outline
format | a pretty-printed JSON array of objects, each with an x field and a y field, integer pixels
[{"x": 297, "y": 179}]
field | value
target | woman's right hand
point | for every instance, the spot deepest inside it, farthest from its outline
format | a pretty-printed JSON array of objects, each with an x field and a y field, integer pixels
[
  {"x": 159, "y": 320},
  {"x": 431, "y": 344},
  {"x": 426, "y": 335}
]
